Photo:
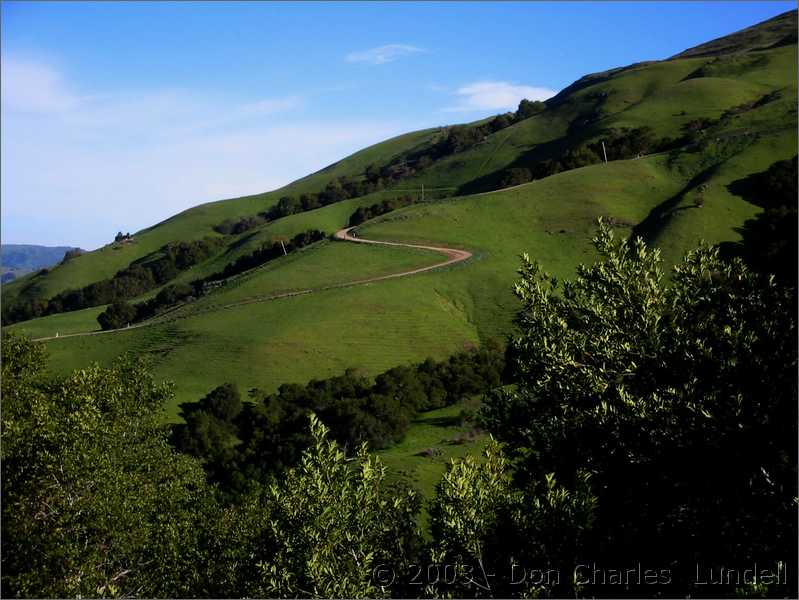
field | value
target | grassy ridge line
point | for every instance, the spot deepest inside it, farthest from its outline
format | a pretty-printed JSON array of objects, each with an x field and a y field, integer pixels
[{"x": 453, "y": 256}]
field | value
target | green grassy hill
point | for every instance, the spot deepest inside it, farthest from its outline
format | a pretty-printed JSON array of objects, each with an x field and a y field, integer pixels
[{"x": 672, "y": 198}]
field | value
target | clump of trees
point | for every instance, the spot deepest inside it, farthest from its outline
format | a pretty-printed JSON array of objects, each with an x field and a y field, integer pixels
[
  {"x": 240, "y": 225},
  {"x": 769, "y": 241},
  {"x": 680, "y": 400},
  {"x": 137, "y": 278},
  {"x": 515, "y": 176},
  {"x": 529, "y": 108},
  {"x": 364, "y": 213},
  {"x": 620, "y": 144},
  {"x": 120, "y": 313},
  {"x": 269, "y": 433}
]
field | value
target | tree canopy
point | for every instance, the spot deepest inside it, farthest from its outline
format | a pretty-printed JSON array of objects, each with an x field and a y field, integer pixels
[{"x": 679, "y": 398}]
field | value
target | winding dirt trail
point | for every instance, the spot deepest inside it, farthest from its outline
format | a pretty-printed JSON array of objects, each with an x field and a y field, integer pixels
[{"x": 453, "y": 255}]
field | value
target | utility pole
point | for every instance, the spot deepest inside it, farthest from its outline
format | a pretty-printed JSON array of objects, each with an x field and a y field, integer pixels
[
  {"x": 284, "y": 248},
  {"x": 605, "y": 152}
]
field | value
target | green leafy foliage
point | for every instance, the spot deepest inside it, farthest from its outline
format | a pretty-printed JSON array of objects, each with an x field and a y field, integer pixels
[
  {"x": 489, "y": 530},
  {"x": 333, "y": 521},
  {"x": 95, "y": 502},
  {"x": 679, "y": 400},
  {"x": 364, "y": 213}
]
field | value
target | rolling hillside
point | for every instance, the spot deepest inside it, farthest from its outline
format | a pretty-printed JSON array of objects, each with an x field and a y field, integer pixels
[{"x": 728, "y": 108}]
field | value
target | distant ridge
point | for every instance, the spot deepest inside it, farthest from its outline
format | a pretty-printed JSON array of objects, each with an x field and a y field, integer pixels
[{"x": 19, "y": 259}]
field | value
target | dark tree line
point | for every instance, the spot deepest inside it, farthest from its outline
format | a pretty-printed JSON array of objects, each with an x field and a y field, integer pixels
[
  {"x": 240, "y": 225},
  {"x": 266, "y": 253},
  {"x": 456, "y": 139},
  {"x": 376, "y": 177},
  {"x": 364, "y": 213},
  {"x": 336, "y": 190},
  {"x": 136, "y": 279},
  {"x": 695, "y": 130},
  {"x": 462, "y": 137},
  {"x": 121, "y": 313},
  {"x": 241, "y": 442},
  {"x": 620, "y": 144}
]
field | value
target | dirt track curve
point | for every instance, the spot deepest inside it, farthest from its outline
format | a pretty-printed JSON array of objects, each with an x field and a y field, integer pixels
[{"x": 453, "y": 256}]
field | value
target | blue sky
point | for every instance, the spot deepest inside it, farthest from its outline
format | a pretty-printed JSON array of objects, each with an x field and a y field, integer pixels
[{"x": 118, "y": 115}]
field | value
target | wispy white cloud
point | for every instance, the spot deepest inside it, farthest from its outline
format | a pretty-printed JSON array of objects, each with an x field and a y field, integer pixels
[
  {"x": 76, "y": 167},
  {"x": 270, "y": 106},
  {"x": 496, "y": 95},
  {"x": 383, "y": 54},
  {"x": 34, "y": 88}
]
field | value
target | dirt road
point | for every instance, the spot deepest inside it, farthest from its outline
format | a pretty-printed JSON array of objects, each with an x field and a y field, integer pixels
[{"x": 453, "y": 256}]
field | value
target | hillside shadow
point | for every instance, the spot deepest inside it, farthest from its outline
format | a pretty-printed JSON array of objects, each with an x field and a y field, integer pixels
[
  {"x": 650, "y": 228},
  {"x": 439, "y": 421},
  {"x": 746, "y": 187}
]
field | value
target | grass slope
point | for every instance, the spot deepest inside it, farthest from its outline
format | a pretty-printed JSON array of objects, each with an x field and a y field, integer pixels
[
  {"x": 379, "y": 325},
  {"x": 383, "y": 324},
  {"x": 434, "y": 439}
]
